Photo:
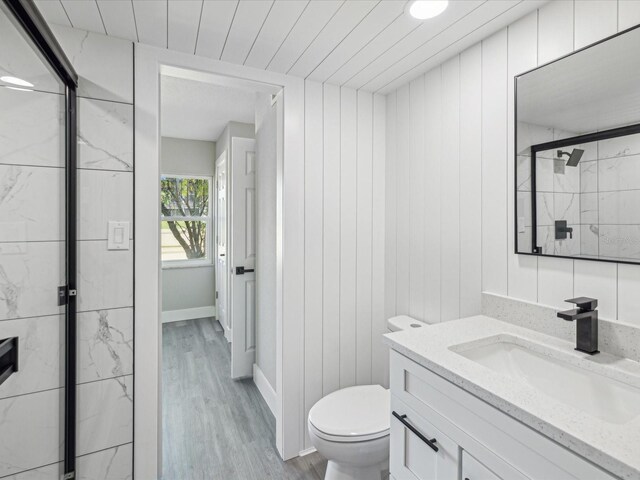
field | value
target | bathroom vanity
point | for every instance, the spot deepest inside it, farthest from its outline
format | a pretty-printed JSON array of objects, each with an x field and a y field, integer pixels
[{"x": 481, "y": 399}]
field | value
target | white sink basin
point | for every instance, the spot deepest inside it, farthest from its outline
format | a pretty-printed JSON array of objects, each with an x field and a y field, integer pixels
[{"x": 557, "y": 374}]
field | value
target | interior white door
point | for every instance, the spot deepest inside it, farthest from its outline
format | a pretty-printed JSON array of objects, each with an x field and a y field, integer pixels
[
  {"x": 222, "y": 273},
  {"x": 243, "y": 256}
]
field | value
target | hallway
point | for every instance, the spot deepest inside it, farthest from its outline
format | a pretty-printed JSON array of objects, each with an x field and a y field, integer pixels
[{"x": 214, "y": 427}]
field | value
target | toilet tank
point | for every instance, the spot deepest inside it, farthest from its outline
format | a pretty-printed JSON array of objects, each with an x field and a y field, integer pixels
[{"x": 403, "y": 322}]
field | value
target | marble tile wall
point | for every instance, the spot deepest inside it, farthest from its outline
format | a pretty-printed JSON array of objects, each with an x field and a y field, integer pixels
[
  {"x": 558, "y": 191},
  {"x": 31, "y": 266},
  {"x": 610, "y": 200}
]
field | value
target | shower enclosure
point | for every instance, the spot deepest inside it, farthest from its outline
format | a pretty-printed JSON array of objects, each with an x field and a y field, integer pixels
[{"x": 37, "y": 249}]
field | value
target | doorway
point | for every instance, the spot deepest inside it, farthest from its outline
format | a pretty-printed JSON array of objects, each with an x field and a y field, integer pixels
[
  {"x": 219, "y": 150},
  {"x": 289, "y": 231}
]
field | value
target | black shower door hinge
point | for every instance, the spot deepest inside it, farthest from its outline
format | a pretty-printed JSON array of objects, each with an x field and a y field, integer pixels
[{"x": 64, "y": 292}]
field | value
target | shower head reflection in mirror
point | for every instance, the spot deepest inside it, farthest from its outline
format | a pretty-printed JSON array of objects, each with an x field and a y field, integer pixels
[{"x": 574, "y": 156}]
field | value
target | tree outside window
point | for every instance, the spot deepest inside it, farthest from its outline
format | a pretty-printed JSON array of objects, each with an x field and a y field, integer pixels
[{"x": 186, "y": 219}]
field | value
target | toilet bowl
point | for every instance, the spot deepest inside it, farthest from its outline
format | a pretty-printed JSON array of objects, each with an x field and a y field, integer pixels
[{"x": 350, "y": 427}]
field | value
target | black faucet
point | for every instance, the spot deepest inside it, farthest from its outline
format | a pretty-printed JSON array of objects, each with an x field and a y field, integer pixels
[{"x": 586, "y": 316}]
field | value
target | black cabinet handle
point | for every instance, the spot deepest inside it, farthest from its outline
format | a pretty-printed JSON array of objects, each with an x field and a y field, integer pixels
[{"x": 405, "y": 422}]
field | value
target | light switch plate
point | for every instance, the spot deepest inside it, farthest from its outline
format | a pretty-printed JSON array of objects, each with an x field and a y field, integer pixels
[{"x": 118, "y": 237}]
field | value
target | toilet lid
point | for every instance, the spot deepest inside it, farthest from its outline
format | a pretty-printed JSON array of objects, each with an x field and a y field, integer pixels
[{"x": 361, "y": 411}]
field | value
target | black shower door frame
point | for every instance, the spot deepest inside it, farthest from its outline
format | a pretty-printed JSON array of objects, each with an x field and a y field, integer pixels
[{"x": 26, "y": 14}]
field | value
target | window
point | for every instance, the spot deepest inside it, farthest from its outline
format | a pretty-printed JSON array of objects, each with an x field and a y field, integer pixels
[{"x": 185, "y": 226}]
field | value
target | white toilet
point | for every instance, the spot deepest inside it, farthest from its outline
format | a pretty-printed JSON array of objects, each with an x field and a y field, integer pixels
[{"x": 350, "y": 427}]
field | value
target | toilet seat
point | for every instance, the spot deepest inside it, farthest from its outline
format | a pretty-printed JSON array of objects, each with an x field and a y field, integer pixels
[{"x": 354, "y": 414}]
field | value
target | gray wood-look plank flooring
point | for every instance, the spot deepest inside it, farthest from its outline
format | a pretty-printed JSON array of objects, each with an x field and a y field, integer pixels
[{"x": 215, "y": 427}]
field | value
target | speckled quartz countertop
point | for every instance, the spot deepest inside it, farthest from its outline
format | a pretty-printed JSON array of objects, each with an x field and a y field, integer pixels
[{"x": 615, "y": 447}]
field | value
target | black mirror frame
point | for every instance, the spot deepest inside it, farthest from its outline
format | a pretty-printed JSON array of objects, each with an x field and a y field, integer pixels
[{"x": 591, "y": 137}]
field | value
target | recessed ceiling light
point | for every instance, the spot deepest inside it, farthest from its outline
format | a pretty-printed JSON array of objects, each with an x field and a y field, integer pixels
[
  {"x": 423, "y": 9},
  {"x": 16, "y": 81}
]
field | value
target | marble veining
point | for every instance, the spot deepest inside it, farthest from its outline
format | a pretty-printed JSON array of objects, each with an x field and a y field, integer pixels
[
  {"x": 111, "y": 464},
  {"x": 614, "y": 447},
  {"x": 32, "y": 126},
  {"x": 104, "y": 196},
  {"x": 49, "y": 472},
  {"x": 31, "y": 203},
  {"x": 109, "y": 77},
  {"x": 105, "y": 414},
  {"x": 41, "y": 354},
  {"x": 105, "y": 277},
  {"x": 9, "y": 293},
  {"x": 29, "y": 277},
  {"x": 34, "y": 419},
  {"x": 105, "y": 135},
  {"x": 105, "y": 347}
]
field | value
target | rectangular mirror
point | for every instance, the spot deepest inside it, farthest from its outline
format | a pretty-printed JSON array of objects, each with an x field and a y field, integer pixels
[{"x": 578, "y": 154}]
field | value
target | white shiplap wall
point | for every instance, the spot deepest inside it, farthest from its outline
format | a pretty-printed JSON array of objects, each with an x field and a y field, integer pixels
[
  {"x": 344, "y": 240},
  {"x": 449, "y": 202}
]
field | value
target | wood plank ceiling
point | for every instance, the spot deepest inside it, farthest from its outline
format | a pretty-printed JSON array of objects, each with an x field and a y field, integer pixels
[{"x": 364, "y": 44}]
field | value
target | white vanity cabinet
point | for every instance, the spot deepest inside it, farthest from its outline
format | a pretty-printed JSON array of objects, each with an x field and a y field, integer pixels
[{"x": 475, "y": 440}]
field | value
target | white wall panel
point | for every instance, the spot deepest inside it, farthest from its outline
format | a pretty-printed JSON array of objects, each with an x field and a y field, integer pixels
[
  {"x": 348, "y": 218},
  {"x": 522, "y": 56},
  {"x": 433, "y": 190},
  {"x": 403, "y": 218},
  {"x": 628, "y": 14},
  {"x": 364, "y": 221},
  {"x": 379, "y": 355},
  {"x": 555, "y": 30},
  {"x": 345, "y": 183},
  {"x": 628, "y": 288},
  {"x": 391, "y": 202},
  {"x": 416, "y": 200},
  {"x": 470, "y": 184},
  {"x": 555, "y": 281},
  {"x": 331, "y": 241},
  {"x": 313, "y": 251},
  {"x": 594, "y": 20},
  {"x": 494, "y": 164},
  {"x": 450, "y": 206},
  {"x": 598, "y": 280}
]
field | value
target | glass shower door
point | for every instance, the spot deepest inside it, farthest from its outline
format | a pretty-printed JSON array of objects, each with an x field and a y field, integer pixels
[{"x": 33, "y": 258}]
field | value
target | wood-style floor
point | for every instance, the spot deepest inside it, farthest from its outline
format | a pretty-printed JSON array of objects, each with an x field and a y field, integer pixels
[{"x": 214, "y": 427}]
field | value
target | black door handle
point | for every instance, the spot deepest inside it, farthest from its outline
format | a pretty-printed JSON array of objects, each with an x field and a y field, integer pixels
[
  {"x": 242, "y": 270},
  {"x": 405, "y": 422}
]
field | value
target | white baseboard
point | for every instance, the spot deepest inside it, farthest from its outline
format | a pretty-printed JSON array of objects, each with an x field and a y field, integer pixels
[
  {"x": 188, "y": 314},
  {"x": 308, "y": 451},
  {"x": 265, "y": 389}
]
